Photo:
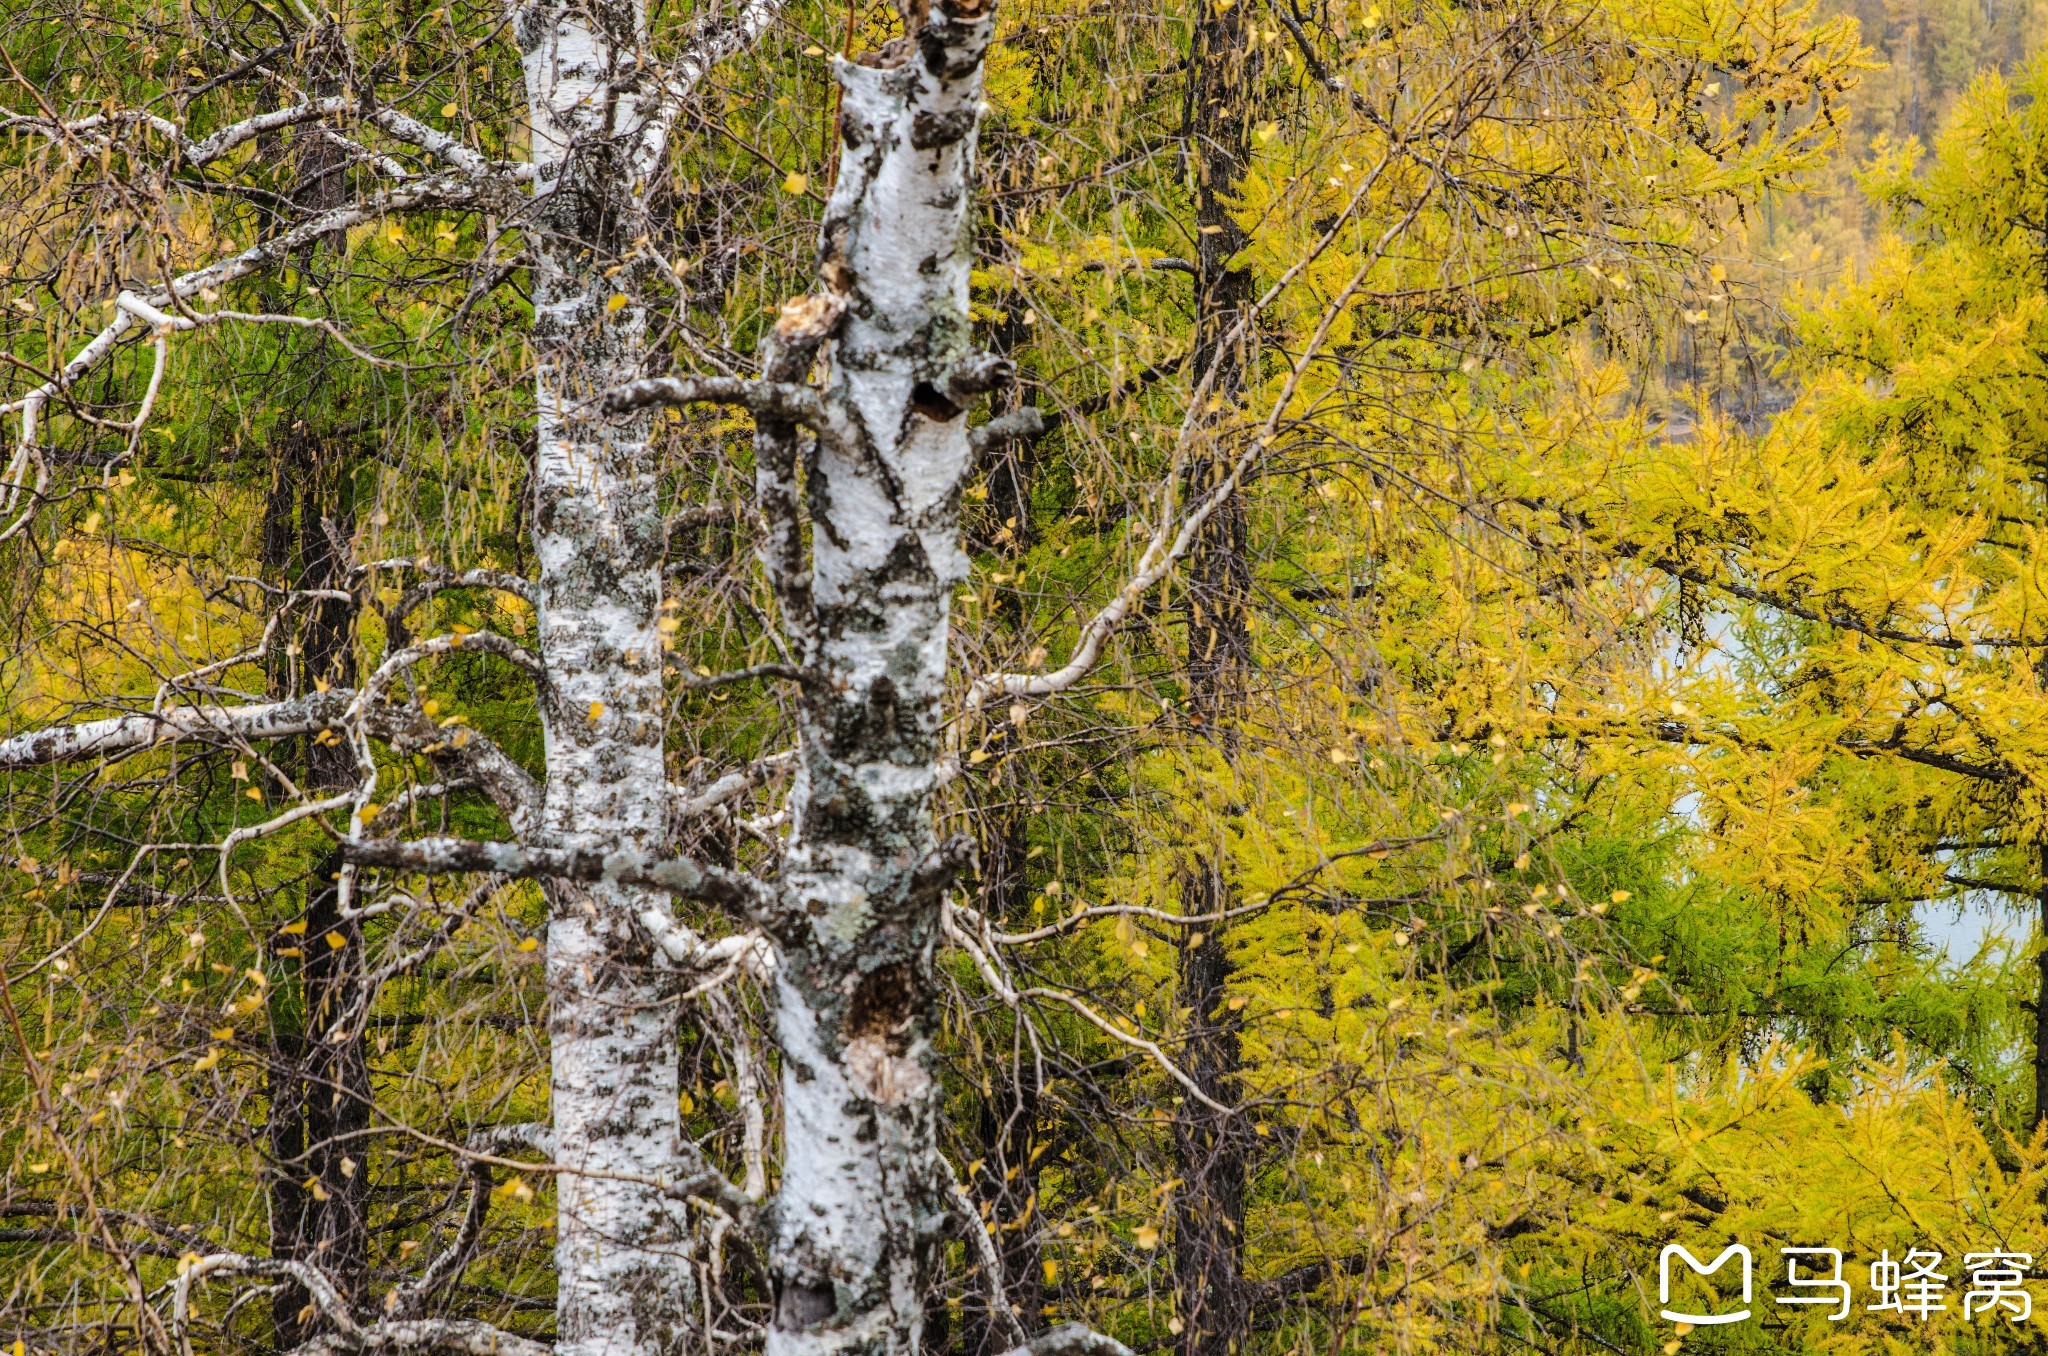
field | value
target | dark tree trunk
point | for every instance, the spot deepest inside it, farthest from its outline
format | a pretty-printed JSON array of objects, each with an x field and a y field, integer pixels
[
  {"x": 291, "y": 1223},
  {"x": 1209, "y": 1149},
  {"x": 319, "y": 1080},
  {"x": 336, "y": 1085}
]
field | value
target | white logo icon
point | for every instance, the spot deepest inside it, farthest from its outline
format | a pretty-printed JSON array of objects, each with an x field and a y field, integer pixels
[{"x": 1664, "y": 1282}]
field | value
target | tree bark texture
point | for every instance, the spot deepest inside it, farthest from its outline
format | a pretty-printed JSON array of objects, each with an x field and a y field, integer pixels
[
  {"x": 864, "y": 1199},
  {"x": 320, "y": 1091},
  {"x": 625, "y": 1283},
  {"x": 1210, "y": 1148}
]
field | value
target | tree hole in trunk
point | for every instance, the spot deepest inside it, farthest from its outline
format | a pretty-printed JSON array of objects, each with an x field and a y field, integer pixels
[
  {"x": 805, "y": 1306},
  {"x": 928, "y": 401},
  {"x": 883, "y": 1007}
]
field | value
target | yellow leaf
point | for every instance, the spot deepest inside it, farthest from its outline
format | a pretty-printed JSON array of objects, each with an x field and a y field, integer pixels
[
  {"x": 796, "y": 183},
  {"x": 222, "y": 1033},
  {"x": 617, "y": 302},
  {"x": 529, "y": 944},
  {"x": 596, "y": 710},
  {"x": 254, "y": 793},
  {"x": 1052, "y": 1271},
  {"x": 1236, "y": 1004},
  {"x": 207, "y": 1060},
  {"x": 1147, "y": 1237},
  {"x": 297, "y": 929},
  {"x": 1619, "y": 897},
  {"x": 335, "y": 941},
  {"x": 978, "y": 757},
  {"x": 449, "y": 110}
]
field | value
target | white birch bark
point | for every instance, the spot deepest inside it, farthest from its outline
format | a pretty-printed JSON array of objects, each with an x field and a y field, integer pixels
[
  {"x": 624, "y": 1274},
  {"x": 863, "y": 1200}
]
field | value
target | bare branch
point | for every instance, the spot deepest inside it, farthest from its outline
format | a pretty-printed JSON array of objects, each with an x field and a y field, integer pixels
[
  {"x": 130, "y": 734},
  {"x": 462, "y": 1335},
  {"x": 731, "y": 786},
  {"x": 1019, "y": 425},
  {"x": 1071, "y": 1339},
  {"x": 986, "y": 1252},
  {"x": 425, "y": 191},
  {"x": 782, "y": 399},
  {"x": 678, "y": 875},
  {"x": 404, "y": 729},
  {"x": 532, "y": 1136}
]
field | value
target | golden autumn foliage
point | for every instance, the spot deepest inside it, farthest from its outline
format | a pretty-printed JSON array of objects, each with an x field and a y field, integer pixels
[{"x": 1604, "y": 765}]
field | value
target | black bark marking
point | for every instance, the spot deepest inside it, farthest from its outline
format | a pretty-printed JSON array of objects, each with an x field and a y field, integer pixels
[{"x": 929, "y": 129}]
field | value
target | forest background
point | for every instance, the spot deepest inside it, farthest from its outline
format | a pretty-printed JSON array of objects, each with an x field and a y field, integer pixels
[{"x": 1587, "y": 790}]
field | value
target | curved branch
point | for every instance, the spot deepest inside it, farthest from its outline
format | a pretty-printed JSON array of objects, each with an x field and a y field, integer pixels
[{"x": 406, "y": 730}]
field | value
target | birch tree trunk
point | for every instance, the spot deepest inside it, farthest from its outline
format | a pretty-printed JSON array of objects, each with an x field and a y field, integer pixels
[
  {"x": 863, "y": 1200},
  {"x": 625, "y": 1282}
]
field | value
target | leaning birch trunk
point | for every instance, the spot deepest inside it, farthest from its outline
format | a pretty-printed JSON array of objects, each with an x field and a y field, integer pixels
[
  {"x": 624, "y": 1275},
  {"x": 863, "y": 1200}
]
